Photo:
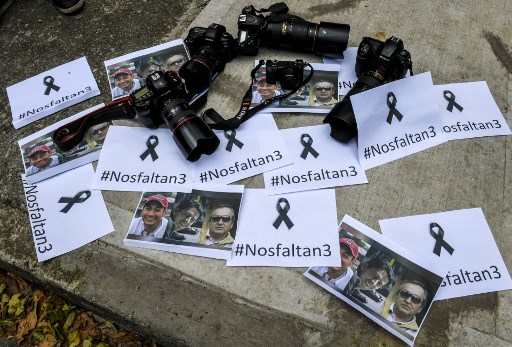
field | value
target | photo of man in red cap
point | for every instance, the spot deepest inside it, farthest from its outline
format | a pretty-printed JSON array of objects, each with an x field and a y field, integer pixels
[
  {"x": 341, "y": 275},
  {"x": 125, "y": 82},
  {"x": 41, "y": 158},
  {"x": 152, "y": 221},
  {"x": 263, "y": 90}
]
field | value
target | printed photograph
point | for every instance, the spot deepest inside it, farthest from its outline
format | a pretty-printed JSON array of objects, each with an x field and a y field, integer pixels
[
  {"x": 390, "y": 289},
  {"x": 128, "y": 73},
  {"x": 317, "y": 96},
  {"x": 41, "y": 153},
  {"x": 203, "y": 219},
  {"x": 42, "y": 158}
]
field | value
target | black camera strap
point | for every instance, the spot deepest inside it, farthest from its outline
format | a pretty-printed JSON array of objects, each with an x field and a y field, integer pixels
[
  {"x": 71, "y": 134},
  {"x": 245, "y": 111}
]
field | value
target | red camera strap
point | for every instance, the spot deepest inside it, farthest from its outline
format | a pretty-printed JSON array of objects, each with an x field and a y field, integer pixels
[{"x": 71, "y": 134}]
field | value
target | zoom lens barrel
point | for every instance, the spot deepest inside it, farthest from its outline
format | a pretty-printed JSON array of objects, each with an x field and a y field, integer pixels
[
  {"x": 329, "y": 39},
  {"x": 192, "y": 135}
]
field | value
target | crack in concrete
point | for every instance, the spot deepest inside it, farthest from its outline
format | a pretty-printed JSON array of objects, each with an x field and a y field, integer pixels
[
  {"x": 329, "y": 8},
  {"x": 500, "y": 50}
]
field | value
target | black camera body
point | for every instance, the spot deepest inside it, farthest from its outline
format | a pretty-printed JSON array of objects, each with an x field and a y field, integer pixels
[
  {"x": 211, "y": 48},
  {"x": 377, "y": 63},
  {"x": 388, "y": 59},
  {"x": 163, "y": 100},
  {"x": 289, "y": 73},
  {"x": 279, "y": 29}
]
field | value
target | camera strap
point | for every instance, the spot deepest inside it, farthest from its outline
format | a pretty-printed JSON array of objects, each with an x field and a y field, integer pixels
[
  {"x": 71, "y": 134},
  {"x": 245, "y": 111}
]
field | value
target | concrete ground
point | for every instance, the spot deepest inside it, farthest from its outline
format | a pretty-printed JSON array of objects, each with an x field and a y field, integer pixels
[{"x": 184, "y": 300}]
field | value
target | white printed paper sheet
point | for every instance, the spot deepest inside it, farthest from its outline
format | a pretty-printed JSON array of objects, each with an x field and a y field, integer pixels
[
  {"x": 51, "y": 91},
  {"x": 462, "y": 242},
  {"x": 397, "y": 119},
  {"x": 141, "y": 159},
  {"x": 347, "y": 76},
  {"x": 255, "y": 147},
  {"x": 388, "y": 284},
  {"x": 319, "y": 161},
  {"x": 65, "y": 213},
  {"x": 469, "y": 110},
  {"x": 292, "y": 230}
]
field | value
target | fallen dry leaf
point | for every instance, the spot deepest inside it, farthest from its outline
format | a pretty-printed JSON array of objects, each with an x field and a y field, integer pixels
[{"x": 26, "y": 325}]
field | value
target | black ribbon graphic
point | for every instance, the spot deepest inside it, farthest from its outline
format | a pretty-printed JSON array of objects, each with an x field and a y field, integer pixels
[
  {"x": 450, "y": 97},
  {"x": 392, "y": 109},
  {"x": 307, "y": 146},
  {"x": 440, "y": 242},
  {"x": 283, "y": 216},
  {"x": 48, "y": 82},
  {"x": 231, "y": 136},
  {"x": 74, "y": 200},
  {"x": 151, "y": 148}
]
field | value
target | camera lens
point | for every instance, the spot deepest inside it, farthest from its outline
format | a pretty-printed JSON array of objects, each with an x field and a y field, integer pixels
[
  {"x": 329, "y": 39},
  {"x": 342, "y": 118},
  {"x": 289, "y": 79},
  {"x": 192, "y": 135},
  {"x": 198, "y": 71}
]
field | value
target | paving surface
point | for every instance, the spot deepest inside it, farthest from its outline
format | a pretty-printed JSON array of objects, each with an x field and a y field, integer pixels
[{"x": 184, "y": 300}]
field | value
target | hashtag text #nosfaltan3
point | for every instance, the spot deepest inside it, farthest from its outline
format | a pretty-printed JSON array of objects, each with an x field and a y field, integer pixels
[
  {"x": 250, "y": 163},
  {"x": 141, "y": 177},
  {"x": 310, "y": 176},
  {"x": 399, "y": 142},
  {"x": 281, "y": 250}
]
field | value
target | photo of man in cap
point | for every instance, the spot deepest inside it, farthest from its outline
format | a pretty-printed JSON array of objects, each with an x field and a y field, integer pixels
[
  {"x": 341, "y": 275},
  {"x": 151, "y": 221},
  {"x": 410, "y": 300},
  {"x": 264, "y": 90},
  {"x": 41, "y": 158},
  {"x": 125, "y": 82}
]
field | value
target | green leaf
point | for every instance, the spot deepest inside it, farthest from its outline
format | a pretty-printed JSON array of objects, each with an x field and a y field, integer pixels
[
  {"x": 69, "y": 320},
  {"x": 38, "y": 335},
  {"x": 87, "y": 342},
  {"x": 73, "y": 338}
]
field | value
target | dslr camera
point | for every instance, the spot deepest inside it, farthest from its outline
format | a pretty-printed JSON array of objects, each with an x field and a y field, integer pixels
[
  {"x": 289, "y": 73},
  {"x": 280, "y": 29},
  {"x": 163, "y": 100},
  {"x": 211, "y": 48},
  {"x": 377, "y": 63}
]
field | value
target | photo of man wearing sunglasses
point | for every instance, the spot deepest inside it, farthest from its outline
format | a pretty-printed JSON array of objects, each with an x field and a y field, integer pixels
[
  {"x": 96, "y": 135},
  {"x": 221, "y": 222},
  {"x": 324, "y": 93},
  {"x": 410, "y": 300}
]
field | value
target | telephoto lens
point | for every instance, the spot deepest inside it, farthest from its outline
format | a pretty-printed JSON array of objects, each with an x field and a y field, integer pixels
[{"x": 327, "y": 39}]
